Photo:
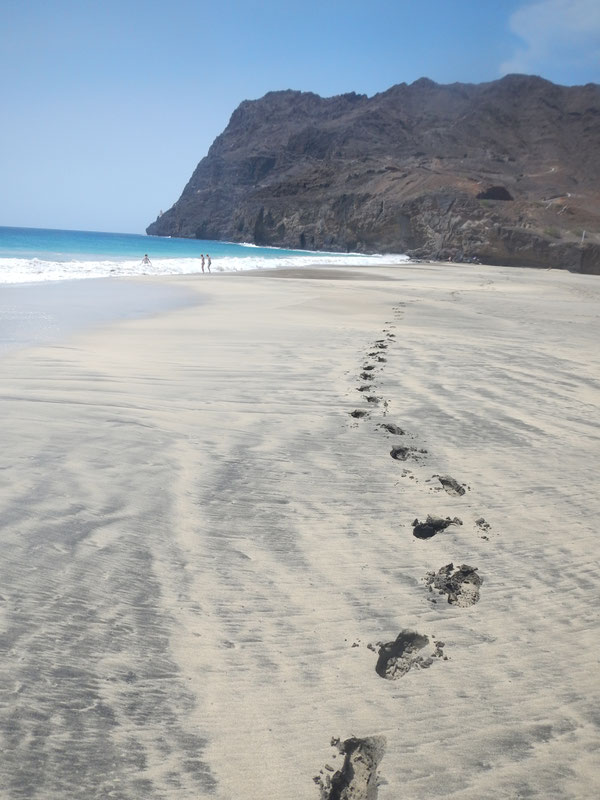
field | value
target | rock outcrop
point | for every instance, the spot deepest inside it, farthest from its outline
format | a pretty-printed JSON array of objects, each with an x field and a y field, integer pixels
[{"x": 506, "y": 172}]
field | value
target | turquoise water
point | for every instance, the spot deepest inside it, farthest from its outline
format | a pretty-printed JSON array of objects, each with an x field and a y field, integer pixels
[
  {"x": 36, "y": 254},
  {"x": 68, "y": 245}
]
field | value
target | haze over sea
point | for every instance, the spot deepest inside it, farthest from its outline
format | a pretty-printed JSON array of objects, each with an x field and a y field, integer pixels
[{"x": 29, "y": 255}]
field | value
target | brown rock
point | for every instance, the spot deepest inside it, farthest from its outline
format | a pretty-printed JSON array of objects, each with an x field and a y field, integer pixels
[{"x": 505, "y": 172}]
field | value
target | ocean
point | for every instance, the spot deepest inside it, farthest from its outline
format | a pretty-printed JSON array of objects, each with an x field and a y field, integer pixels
[{"x": 32, "y": 255}]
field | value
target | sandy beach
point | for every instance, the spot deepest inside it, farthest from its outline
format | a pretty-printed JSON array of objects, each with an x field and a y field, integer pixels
[{"x": 207, "y": 559}]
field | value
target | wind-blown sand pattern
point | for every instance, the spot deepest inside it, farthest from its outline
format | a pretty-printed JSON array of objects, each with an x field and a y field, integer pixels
[{"x": 196, "y": 531}]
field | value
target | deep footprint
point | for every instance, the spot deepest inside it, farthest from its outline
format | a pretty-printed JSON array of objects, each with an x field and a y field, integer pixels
[
  {"x": 460, "y": 584},
  {"x": 451, "y": 486},
  {"x": 433, "y": 525},
  {"x": 357, "y": 414},
  {"x": 364, "y": 388},
  {"x": 401, "y": 453},
  {"x": 404, "y": 453},
  {"x": 391, "y": 428},
  {"x": 400, "y": 656},
  {"x": 373, "y": 399},
  {"x": 357, "y": 779}
]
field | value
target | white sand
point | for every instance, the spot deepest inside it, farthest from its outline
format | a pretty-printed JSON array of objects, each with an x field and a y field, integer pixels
[{"x": 195, "y": 532}]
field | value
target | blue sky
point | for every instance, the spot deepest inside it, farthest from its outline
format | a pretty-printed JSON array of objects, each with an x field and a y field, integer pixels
[{"x": 109, "y": 105}]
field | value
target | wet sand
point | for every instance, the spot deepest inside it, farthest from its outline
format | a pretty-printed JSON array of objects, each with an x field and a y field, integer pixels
[
  {"x": 32, "y": 314},
  {"x": 207, "y": 561}
]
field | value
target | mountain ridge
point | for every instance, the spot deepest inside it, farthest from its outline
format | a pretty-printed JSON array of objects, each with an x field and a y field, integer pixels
[{"x": 506, "y": 172}]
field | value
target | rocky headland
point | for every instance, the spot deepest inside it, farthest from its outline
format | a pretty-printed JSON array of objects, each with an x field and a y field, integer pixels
[{"x": 506, "y": 172}]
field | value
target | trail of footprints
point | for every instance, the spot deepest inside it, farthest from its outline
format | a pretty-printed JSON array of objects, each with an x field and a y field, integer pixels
[{"x": 459, "y": 586}]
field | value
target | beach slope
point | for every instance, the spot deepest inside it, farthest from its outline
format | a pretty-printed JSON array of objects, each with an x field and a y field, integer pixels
[{"x": 227, "y": 530}]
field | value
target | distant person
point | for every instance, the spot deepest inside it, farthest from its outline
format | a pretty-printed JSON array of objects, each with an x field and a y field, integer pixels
[
  {"x": 146, "y": 260},
  {"x": 202, "y": 257},
  {"x": 208, "y": 261}
]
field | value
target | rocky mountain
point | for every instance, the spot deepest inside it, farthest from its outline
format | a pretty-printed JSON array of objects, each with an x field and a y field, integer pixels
[{"x": 506, "y": 172}]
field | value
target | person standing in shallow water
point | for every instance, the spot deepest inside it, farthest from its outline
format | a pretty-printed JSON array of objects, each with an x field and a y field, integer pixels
[
  {"x": 202, "y": 257},
  {"x": 208, "y": 261},
  {"x": 146, "y": 260}
]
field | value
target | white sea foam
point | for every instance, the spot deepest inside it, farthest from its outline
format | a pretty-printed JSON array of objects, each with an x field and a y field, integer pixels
[{"x": 24, "y": 270}]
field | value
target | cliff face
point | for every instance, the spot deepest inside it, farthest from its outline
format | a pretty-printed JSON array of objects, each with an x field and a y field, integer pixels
[{"x": 507, "y": 172}]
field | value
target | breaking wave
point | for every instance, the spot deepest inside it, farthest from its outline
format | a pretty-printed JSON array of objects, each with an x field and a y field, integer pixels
[{"x": 33, "y": 270}]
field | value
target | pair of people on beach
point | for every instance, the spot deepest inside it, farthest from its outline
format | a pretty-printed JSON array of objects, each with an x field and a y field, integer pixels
[{"x": 146, "y": 261}]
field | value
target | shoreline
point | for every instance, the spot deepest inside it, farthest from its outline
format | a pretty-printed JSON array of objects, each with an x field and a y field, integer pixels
[
  {"x": 204, "y": 550},
  {"x": 281, "y": 269}
]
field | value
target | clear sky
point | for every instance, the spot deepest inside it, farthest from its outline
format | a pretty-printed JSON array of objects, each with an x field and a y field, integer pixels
[{"x": 108, "y": 105}]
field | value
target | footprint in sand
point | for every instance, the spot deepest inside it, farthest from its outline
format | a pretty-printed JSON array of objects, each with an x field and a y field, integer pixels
[
  {"x": 373, "y": 399},
  {"x": 460, "y": 584},
  {"x": 401, "y": 453},
  {"x": 357, "y": 778},
  {"x": 368, "y": 367},
  {"x": 391, "y": 428},
  {"x": 364, "y": 388},
  {"x": 483, "y": 526},
  {"x": 404, "y": 653},
  {"x": 404, "y": 453},
  {"x": 433, "y": 525},
  {"x": 450, "y": 485},
  {"x": 357, "y": 414},
  {"x": 366, "y": 376},
  {"x": 381, "y": 359}
]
